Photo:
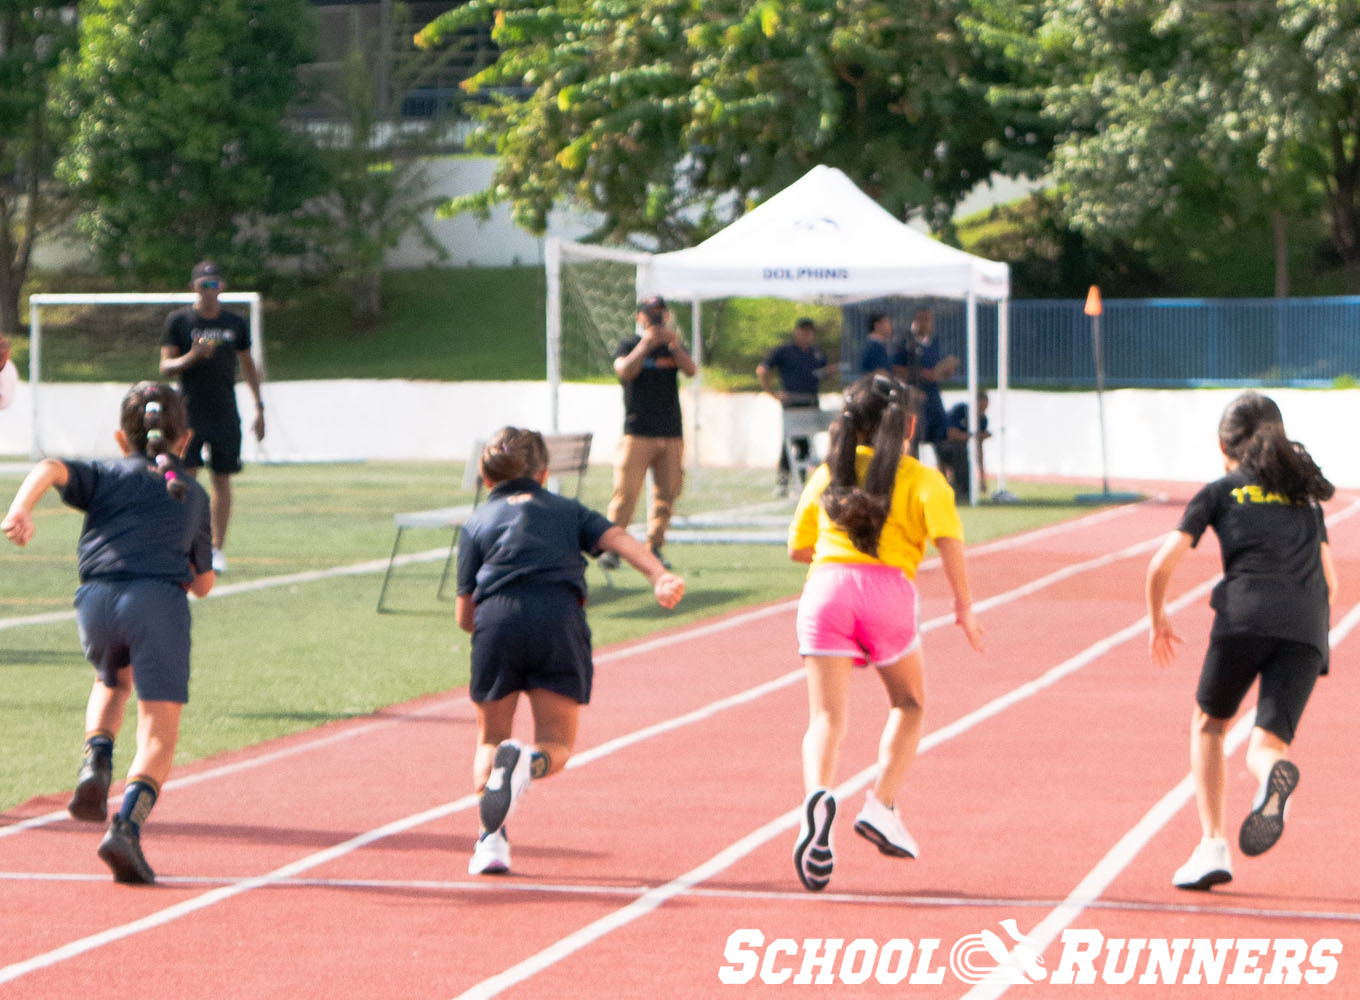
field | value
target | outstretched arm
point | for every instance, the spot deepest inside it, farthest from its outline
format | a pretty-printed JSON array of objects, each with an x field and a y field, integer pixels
[
  {"x": 1163, "y": 639},
  {"x": 18, "y": 523},
  {"x": 667, "y": 587}
]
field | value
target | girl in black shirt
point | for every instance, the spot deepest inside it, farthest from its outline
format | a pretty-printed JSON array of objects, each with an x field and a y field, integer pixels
[{"x": 1271, "y": 617}]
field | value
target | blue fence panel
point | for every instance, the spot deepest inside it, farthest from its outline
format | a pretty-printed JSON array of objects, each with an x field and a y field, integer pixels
[{"x": 1145, "y": 342}]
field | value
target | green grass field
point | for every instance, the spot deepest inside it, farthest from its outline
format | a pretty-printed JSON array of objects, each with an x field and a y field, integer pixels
[{"x": 294, "y": 655}]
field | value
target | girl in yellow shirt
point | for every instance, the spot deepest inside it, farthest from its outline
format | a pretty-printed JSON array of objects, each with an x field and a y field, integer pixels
[{"x": 863, "y": 523}]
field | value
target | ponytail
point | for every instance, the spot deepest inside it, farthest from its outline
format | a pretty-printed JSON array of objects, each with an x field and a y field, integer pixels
[
  {"x": 876, "y": 412},
  {"x": 153, "y": 419},
  {"x": 1252, "y": 434}
]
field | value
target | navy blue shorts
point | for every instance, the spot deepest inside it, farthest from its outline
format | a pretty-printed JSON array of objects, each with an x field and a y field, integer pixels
[
  {"x": 143, "y": 624},
  {"x": 1288, "y": 671},
  {"x": 531, "y": 638},
  {"x": 224, "y": 447}
]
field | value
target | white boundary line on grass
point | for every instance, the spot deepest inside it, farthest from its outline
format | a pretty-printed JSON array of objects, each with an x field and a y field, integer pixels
[{"x": 746, "y": 845}]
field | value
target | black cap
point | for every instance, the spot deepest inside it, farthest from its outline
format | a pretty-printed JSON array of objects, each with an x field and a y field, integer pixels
[
  {"x": 205, "y": 269},
  {"x": 653, "y": 303}
]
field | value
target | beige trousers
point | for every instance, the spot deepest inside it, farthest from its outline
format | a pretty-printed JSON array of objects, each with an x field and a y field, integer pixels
[{"x": 665, "y": 458}]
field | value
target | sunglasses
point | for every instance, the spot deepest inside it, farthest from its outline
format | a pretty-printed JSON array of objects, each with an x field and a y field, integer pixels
[{"x": 211, "y": 284}]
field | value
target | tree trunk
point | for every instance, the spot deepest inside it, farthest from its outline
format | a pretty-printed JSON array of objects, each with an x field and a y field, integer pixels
[
  {"x": 1281, "y": 235},
  {"x": 366, "y": 305}
]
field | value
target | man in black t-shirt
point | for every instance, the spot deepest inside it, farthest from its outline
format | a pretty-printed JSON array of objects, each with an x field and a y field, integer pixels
[
  {"x": 648, "y": 364},
  {"x": 203, "y": 345}
]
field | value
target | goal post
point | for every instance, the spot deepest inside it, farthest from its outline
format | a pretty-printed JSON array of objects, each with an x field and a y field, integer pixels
[{"x": 37, "y": 301}]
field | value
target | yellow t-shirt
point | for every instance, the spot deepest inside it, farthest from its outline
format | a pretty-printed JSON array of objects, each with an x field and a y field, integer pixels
[{"x": 922, "y": 509}]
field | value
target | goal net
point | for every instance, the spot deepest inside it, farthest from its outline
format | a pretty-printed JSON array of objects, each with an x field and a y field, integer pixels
[{"x": 57, "y": 320}]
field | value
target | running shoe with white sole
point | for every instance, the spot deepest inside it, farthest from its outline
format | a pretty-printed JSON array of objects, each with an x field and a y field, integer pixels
[
  {"x": 1265, "y": 823},
  {"x": 1209, "y": 865},
  {"x": 813, "y": 857},
  {"x": 491, "y": 856},
  {"x": 882, "y": 827},
  {"x": 509, "y": 778},
  {"x": 121, "y": 850}
]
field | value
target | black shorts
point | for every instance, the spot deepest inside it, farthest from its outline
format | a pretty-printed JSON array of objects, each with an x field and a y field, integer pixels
[
  {"x": 224, "y": 447},
  {"x": 143, "y": 624},
  {"x": 1288, "y": 671},
  {"x": 531, "y": 638}
]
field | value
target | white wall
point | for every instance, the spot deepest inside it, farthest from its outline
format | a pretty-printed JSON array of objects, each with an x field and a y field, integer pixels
[{"x": 1155, "y": 435}]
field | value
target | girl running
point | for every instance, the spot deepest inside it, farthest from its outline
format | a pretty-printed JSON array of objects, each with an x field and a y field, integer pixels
[
  {"x": 1271, "y": 615},
  {"x": 145, "y": 542},
  {"x": 522, "y": 593},
  {"x": 863, "y": 522}
]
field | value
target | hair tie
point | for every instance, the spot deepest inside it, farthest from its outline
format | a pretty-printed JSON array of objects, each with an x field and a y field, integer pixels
[{"x": 155, "y": 434}]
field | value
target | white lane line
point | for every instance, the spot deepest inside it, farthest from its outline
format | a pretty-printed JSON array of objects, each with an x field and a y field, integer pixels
[{"x": 777, "y": 826}]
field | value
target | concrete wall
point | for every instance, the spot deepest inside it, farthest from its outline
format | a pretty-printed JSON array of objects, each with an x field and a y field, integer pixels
[{"x": 1156, "y": 435}]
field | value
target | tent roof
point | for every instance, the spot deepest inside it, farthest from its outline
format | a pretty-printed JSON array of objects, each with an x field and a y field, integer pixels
[{"x": 822, "y": 238}]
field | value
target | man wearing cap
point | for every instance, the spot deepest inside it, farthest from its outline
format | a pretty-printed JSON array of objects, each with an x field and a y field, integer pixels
[
  {"x": 648, "y": 365},
  {"x": 801, "y": 364},
  {"x": 203, "y": 345}
]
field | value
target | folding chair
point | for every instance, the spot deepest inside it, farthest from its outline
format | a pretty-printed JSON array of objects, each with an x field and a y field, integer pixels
[{"x": 804, "y": 424}]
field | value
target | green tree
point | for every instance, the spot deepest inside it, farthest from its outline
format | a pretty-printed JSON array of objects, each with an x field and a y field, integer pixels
[
  {"x": 33, "y": 38},
  {"x": 377, "y": 164},
  {"x": 667, "y": 117},
  {"x": 180, "y": 147}
]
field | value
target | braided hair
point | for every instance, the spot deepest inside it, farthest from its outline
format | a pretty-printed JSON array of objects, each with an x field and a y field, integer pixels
[
  {"x": 1252, "y": 434},
  {"x": 154, "y": 418},
  {"x": 513, "y": 453},
  {"x": 875, "y": 412}
]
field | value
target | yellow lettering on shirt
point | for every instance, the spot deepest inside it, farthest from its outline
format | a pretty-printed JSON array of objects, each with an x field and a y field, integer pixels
[{"x": 1254, "y": 494}]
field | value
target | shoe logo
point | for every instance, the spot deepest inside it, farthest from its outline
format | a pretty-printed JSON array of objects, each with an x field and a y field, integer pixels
[
  {"x": 999, "y": 963},
  {"x": 496, "y": 781}
]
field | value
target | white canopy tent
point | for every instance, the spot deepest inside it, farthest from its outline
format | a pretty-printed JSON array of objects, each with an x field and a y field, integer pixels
[{"x": 824, "y": 240}]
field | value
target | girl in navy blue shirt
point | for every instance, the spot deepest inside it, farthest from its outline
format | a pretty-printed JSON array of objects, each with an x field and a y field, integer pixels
[
  {"x": 145, "y": 545},
  {"x": 522, "y": 595},
  {"x": 1271, "y": 615}
]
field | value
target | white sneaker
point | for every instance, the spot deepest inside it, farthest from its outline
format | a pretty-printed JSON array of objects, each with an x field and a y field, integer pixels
[
  {"x": 1209, "y": 865},
  {"x": 491, "y": 856},
  {"x": 509, "y": 778},
  {"x": 219, "y": 561},
  {"x": 882, "y": 827}
]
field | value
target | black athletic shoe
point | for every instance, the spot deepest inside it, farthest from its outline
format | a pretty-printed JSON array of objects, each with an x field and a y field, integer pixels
[
  {"x": 91, "y": 799},
  {"x": 609, "y": 560},
  {"x": 1265, "y": 822},
  {"x": 510, "y": 775},
  {"x": 121, "y": 850},
  {"x": 661, "y": 559},
  {"x": 812, "y": 855}
]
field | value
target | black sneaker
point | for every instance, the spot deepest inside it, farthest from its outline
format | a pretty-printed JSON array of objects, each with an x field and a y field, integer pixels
[
  {"x": 609, "y": 560},
  {"x": 91, "y": 799},
  {"x": 121, "y": 850},
  {"x": 1265, "y": 823},
  {"x": 661, "y": 559},
  {"x": 812, "y": 855}
]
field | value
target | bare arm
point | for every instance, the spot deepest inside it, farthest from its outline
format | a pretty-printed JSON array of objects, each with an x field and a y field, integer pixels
[
  {"x": 252, "y": 376},
  {"x": 466, "y": 611},
  {"x": 173, "y": 362},
  {"x": 202, "y": 583},
  {"x": 956, "y": 572},
  {"x": 667, "y": 587},
  {"x": 628, "y": 366},
  {"x": 1329, "y": 572},
  {"x": 1162, "y": 640},
  {"x": 18, "y": 523}
]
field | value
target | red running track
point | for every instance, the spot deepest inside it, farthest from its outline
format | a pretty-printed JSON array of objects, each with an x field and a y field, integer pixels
[{"x": 1050, "y": 801}]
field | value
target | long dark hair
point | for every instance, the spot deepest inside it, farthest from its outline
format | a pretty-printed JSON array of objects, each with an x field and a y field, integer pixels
[
  {"x": 154, "y": 418},
  {"x": 875, "y": 412},
  {"x": 1252, "y": 434}
]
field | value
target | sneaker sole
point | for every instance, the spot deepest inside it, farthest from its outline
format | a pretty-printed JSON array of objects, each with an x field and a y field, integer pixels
[
  {"x": 90, "y": 803},
  {"x": 494, "y": 805},
  {"x": 1264, "y": 824},
  {"x": 1206, "y": 881},
  {"x": 872, "y": 834},
  {"x": 812, "y": 856}
]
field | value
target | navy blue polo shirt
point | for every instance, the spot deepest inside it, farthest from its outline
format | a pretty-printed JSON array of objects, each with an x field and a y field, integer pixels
[
  {"x": 958, "y": 418},
  {"x": 800, "y": 371},
  {"x": 874, "y": 357},
  {"x": 527, "y": 534},
  {"x": 134, "y": 529}
]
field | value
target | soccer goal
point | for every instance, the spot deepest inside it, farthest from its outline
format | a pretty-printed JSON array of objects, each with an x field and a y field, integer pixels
[{"x": 69, "y": 301}]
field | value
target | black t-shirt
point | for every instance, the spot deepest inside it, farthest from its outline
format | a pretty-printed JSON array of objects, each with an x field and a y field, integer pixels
[
  {"x": 651, "y": 402},
  {"x": 209, "y": 384},
  {"x": 134, "y": 529},
  {"x": 525, "y": 533},
  {"x": 1272, "y": 583}
]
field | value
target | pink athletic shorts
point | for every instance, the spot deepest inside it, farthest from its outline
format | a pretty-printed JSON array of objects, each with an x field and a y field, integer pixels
[{"x": 865, "y": 611}]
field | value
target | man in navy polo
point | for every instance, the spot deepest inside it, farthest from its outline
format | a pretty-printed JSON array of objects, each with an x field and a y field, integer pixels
[{"x": 801, "y": 364}]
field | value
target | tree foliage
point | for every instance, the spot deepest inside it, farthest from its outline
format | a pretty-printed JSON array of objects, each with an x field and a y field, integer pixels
[
  {"x": 33, "y": 38},
  {"x": 668, "y": 117},
  {"x": 179, "y": 146}
]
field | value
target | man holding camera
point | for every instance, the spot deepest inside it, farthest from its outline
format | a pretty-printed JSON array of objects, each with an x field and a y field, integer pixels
[{"x": 648, "y": 365}]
